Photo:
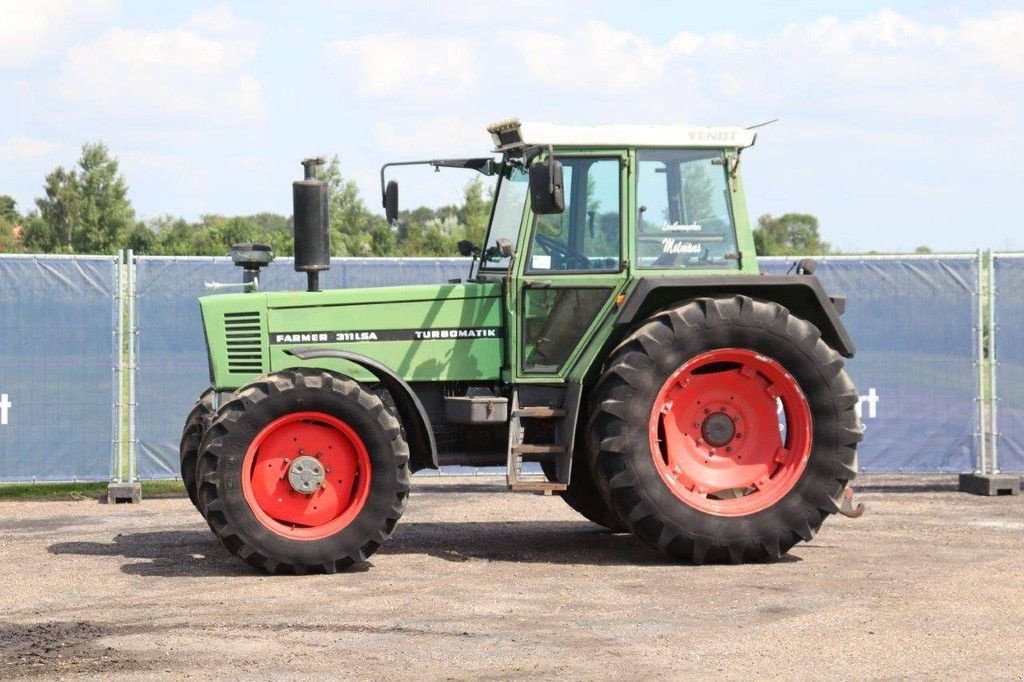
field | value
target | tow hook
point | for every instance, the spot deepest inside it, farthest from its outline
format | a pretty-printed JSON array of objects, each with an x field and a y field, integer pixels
[{"x": 847, "y": 507}]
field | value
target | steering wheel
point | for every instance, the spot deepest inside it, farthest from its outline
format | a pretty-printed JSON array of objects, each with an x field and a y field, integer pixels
[{"x": 571, "y": 258}]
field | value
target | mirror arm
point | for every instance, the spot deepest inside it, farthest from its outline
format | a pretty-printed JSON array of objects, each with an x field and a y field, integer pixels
[{"x": 483, "y": 165}]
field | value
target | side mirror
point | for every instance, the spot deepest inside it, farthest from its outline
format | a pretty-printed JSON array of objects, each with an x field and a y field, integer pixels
[
  {"x": 391, "y": 202},
  {"x": 468, "y": 248},
  {"x": 546, "y": 189},
  {"x": 505, "y": 247}
]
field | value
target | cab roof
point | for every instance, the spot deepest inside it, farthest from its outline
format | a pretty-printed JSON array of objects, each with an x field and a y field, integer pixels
[{"x": 511, "y": 135}]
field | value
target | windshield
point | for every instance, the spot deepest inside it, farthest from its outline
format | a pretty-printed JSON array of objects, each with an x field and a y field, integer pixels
[{"x": 507, "y": 216}]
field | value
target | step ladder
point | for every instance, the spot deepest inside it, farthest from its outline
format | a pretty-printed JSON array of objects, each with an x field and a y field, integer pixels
[{"x": 522, "y": 448}]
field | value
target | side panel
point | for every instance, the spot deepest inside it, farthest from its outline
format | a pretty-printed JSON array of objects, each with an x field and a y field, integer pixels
[
  {"x": 449, "y": 340},
  {"x": 431, "y": 333}
]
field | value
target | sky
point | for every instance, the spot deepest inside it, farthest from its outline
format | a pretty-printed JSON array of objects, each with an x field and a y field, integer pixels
[{"x": 900, "y": 124}]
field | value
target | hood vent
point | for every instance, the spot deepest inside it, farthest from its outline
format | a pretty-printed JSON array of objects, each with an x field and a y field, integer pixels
[{"x": 244, "y": 337}]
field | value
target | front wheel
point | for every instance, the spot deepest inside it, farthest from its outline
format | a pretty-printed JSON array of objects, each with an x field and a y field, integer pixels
[
  {"x": 303, "y": 471},
  {"x": 724, "y": 430},
  {"x": 195, "y": 425}
]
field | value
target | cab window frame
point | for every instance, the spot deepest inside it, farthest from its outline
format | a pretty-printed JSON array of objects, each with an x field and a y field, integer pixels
[
  {"x": 620, "y": 264},
  {"x": 649, "y": 154}
]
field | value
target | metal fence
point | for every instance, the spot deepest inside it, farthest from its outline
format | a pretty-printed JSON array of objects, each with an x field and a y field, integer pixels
[
  {"x": 1006, "y": 355},
  {"x": 58, "y": 395},
  {"x": 93, "y": 347},
  {"x": 914, "y": 320}
]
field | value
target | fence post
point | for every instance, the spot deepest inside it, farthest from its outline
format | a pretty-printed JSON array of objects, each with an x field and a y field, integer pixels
[
  {"x": 117, "y": 360},
  {"x": 982, "y": 465},
  {"x": 120, "y": 490},
  {"x": 987, "y": 480},
  {"x": 133, "y": 340},
  {"x": 993, "y": 364}
]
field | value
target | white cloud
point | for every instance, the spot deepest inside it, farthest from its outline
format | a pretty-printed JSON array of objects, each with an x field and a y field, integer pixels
[
  {"x": 442, "y": 135},
  {"x": 196, "y": 70},
  {"x": 879, "y": 65},
  {"x": 20, "y": 147},
  {"x": 593, "y": 56},
  {"x": 997, "y": 40},
  {"x": 399, "y": 64},
  {"x": 29, "y": 30}
]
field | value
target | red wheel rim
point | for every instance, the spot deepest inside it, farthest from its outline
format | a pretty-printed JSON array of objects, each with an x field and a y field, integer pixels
[
  {"x": 346, "y": 478},
  {"x": 716, "y": 437}
]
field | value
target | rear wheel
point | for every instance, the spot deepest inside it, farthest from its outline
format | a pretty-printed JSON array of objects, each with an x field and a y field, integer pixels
[
  {"x": 303, "y": 471},
  {"x": 195, "y": 424},
  {"x": 724, "y": 430}
]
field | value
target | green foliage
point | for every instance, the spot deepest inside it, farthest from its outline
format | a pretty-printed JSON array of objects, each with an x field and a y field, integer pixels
[
  {"x": 8, "y": 210},
  {"x": 85, "y": 210},
  {"x": 791, "y": 234}
]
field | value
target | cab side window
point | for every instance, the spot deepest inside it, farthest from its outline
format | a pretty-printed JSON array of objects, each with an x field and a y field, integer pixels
[
  {"x": 586, "y": 236},
  {"x": 685, "y": 218}
]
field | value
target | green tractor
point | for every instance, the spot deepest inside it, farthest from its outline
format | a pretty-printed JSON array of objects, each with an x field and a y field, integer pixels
[{"x": 613, "y": 328}]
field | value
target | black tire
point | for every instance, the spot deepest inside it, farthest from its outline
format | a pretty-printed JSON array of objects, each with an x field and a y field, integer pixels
[
  {"x": 195, "y": 425},
  {"x": 625, "y": 396},
  {"x": 237, "y": 424},
  {"x": 584, "y": 496}
]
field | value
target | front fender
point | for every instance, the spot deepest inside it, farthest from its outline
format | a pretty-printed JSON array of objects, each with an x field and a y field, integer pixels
[{"x": 422, "y": 447}]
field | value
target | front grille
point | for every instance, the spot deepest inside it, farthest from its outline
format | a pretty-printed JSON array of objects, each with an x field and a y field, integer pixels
[{"x": 244, "y": 337}]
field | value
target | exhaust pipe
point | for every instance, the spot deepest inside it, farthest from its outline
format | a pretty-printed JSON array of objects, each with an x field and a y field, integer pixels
[{"x": 312, "y": 224}]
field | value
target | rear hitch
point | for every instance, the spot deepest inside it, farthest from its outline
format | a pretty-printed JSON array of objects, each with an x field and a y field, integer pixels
[{"x": 847, "y": 507}]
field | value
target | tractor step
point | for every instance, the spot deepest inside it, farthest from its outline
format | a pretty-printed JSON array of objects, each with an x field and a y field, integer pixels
[
  {"x": 557, "y": 405},
  {"x": 530, "y": 449},
  {"x": 545, "y": 487},
  {"x": 540, "y": 412}
]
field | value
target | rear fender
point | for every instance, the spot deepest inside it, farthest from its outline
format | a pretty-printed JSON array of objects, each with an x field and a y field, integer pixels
[
  {"x": 802, "y": 295},
  {"x": 422, "y": 447}
]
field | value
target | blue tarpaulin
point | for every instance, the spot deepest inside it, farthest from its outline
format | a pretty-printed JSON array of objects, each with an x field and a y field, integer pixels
[
  {"x": 913, "y": 321},
  {"x": 56, "y": 367},
  {"x": 1009, "y": 345}
]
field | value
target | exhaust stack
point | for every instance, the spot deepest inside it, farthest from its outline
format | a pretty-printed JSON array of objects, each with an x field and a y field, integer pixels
[{"x": 312, "y": 234}]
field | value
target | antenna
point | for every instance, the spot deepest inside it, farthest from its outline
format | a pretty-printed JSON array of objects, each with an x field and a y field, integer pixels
[{"x": 761, "y": 125}]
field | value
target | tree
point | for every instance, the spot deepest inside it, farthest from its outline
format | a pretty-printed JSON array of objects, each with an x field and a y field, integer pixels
[
  {"x": 353, "y": 226},
  {"x": 85, "y": 210},
  {"x": 475, "y": 211},
  {"x": 10, "y": 226},
  {"x": 923, "y": 249},
  {"x": 8, "y": 210},
  {"x": 791, "y": 234}
]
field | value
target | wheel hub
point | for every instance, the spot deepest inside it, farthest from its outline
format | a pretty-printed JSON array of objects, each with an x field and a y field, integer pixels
[
  {"x": 716, "y": 436},
  {"x": 718, "y": 429},
  {"x": 306, "y": 475}
]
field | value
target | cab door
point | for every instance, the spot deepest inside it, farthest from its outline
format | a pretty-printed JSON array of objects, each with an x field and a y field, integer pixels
[{"x": 572, "y": 266}]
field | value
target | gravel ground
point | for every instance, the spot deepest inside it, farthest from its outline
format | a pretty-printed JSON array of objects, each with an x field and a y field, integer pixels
[{"x": 481, "y": 583}]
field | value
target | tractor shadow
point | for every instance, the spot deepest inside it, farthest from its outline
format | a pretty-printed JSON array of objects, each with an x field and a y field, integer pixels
[
  {"x": 541, "y": 542},
  {"x": 167, "y": 553},
  {"x": 197, "y": 554},
  {"x": 530, "y": 542}
]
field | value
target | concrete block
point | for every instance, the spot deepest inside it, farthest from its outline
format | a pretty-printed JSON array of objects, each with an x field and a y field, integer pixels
[
  {"x": 990, "y": 484},
  {"x": 121, "y": 493}
]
